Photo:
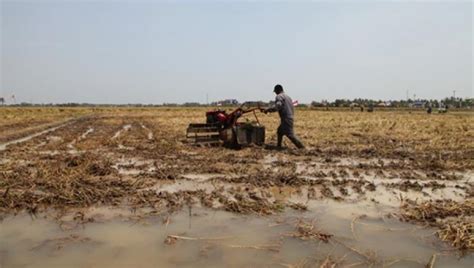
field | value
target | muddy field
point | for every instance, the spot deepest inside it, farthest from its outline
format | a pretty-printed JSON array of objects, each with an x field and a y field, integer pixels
[{"x": 121, "y": 187}]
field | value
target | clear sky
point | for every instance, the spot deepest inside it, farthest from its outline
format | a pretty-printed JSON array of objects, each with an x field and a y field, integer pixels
[{"x": 155, "y": 52}]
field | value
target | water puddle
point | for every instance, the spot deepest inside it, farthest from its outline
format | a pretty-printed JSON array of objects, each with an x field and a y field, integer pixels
[
  {"x": 208, "y": 238},
  {"x": 41, "y": 144},
  {"x": 88, "y": 131},
  {"x": 134, "y": 166},
  {"x": 200, "y": 177},
  {"x": 183, "y": 185},
  {"x": 124, "y": 128},
  {"x": 54, "y": 139},
  {"x": 126, "y": 148},
  {"x": 343, "y": 178},
  {"x": 49, "y": 152},
  {"x": 345, "y": 161},
  {"x": 150, "y": 133},
  {"x": 71, "y": 147}
]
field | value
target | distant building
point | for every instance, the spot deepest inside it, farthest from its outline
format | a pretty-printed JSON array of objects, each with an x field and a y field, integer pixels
[
  {"x": 354, "y": 104},
  {"x": 418, "y": 104}
]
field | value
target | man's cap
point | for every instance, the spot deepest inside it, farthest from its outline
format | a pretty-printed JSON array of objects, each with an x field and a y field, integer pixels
[{"x": 278, "y": 88}]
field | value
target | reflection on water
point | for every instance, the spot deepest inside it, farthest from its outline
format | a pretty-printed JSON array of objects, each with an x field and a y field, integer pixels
[{"x": 207, "y": 238}]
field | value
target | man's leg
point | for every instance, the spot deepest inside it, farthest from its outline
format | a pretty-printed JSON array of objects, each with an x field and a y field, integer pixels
[
  {"x": 279, "y": 136},
  {"x": 295, "y": 140},
  {"x": 290, "y": 133}
]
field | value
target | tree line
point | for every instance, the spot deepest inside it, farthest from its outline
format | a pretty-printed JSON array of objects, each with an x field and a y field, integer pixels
[
  {"x": 358, "y": 102},
  {"x": 425, "y": 103}
]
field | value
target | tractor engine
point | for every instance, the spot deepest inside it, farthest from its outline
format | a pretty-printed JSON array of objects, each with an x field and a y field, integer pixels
[{"x": 216, "y": 117}]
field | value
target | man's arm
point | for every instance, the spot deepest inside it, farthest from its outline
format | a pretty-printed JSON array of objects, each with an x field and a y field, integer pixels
[{"x": 277, "y": 106}]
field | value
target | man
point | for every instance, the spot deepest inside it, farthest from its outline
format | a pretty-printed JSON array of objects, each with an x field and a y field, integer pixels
[{"x": 284, "y": 107}]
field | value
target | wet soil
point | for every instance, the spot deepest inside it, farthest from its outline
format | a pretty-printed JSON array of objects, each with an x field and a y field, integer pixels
[
  {"x": 324, "y": 199},
  {"x": 111, "y": 237}
]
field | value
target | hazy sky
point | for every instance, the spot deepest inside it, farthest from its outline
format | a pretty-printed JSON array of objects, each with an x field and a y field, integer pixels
[{"x": 155, "y": 52}]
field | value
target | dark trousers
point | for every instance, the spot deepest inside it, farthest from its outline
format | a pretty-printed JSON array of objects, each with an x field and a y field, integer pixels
[{"x": 286, "y": 129}]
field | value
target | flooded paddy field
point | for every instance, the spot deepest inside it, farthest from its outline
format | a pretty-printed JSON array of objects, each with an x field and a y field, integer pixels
[{"x": 121, "y": 187}]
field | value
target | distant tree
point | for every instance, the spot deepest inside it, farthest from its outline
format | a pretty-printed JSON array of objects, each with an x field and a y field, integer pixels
[
  {"x": 342, "y": 103},
  {"x": 191, "y": 104},
  {"x": 318, "y": 104},
  {"x": 170, "y": 104},
  {"x": 315, "y": 104},
  {"x": 2, "y": 100},
  {"x": 468, "y": 102}
]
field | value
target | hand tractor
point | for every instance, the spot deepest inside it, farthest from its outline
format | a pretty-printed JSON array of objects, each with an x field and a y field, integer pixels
[{"x": 223, "y": 128}]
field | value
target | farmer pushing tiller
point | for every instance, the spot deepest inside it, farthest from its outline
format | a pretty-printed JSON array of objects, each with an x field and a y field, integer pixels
[
  {"x": 284, "y": 106},
  {"x": 223, "y": 127}
]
